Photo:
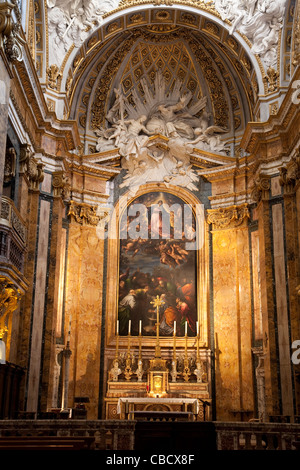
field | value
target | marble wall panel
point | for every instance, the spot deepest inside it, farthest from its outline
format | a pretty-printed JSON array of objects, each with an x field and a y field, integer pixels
[
  {"x": 282, "y": 312},
  {"x": 232, "y": 322},
  {"x": 84, "y": 302},
  {"x": 95, "y": 184},
  {"x": 61, "y": 284},
  {"x": 257, "y": 307},
  {"x": 276, "y": 189},
  {"x": 38, "y": 308}
]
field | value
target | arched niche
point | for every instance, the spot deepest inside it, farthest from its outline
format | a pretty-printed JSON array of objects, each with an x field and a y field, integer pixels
[{"x": 113, "y": 265}]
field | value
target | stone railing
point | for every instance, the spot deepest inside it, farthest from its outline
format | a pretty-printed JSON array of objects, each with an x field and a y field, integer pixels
[
  {"x": 13, "y": 235},
  {"x": 108, "y": 434},
  {"x": 257, "y": 436}
]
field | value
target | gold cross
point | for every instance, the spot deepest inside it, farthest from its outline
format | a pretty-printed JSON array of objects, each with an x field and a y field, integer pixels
[{"x": 157, "y": 303}]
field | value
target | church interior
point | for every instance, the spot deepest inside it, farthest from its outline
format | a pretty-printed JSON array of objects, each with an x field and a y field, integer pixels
[{"x": 150, "y": 223}]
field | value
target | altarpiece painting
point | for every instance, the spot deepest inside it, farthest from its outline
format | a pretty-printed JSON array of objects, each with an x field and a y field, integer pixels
[{"x": 157, "y": 258}]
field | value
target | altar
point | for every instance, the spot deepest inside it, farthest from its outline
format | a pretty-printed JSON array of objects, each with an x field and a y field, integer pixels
[
  {"x": 131, "y": 408},
  {"x": 165, "y": 386}
]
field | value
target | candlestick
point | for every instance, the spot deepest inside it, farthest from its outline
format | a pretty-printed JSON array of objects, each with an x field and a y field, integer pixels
[
  {"x": 174, "y": 327},
  {"x": 197, "y": 328},
  {"x": 186, "y": 328},
  {"x": 129, "y": 327},
  {"x": 140, "y": 329},
  {"x": 69, "y": 331},
  {"x": 117, "y": 327}
]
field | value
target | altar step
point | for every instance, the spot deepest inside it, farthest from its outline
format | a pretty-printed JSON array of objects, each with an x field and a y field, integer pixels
[{"x": 169, "y": 436}]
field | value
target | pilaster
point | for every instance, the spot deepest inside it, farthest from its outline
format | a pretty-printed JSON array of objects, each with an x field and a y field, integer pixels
[
  {"x": 232, "y": 312},
  {"x": 261, "y": 195}
]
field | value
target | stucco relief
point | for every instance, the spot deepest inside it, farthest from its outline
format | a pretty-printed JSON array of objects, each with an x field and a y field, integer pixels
[
  {"x": 159, "y": 134},
  {"x": 259, "y": 20},
  {"x": 71, "y": 22}
]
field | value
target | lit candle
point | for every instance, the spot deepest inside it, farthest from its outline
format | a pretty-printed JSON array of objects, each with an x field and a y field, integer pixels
[
  {"x": 117, "y": 327},
  {"x": 186, "y": 327},
  {"x": 140, "y": 331},
  {"x": 174, "y": 327},
  {"x": 129, "y": 327}
]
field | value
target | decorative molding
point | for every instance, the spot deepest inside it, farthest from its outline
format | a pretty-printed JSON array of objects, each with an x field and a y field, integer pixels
[{"x": 228, "y": 217}]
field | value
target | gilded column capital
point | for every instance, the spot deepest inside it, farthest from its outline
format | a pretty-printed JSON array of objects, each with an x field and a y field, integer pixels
[
  {"x": 32, "y": 167},
  {"x": 61, "y": 185},
  {"x": 228, "y": 217},
  {"x": 261, "y": 188},
  {"x": 83, "y": 214},
  {"x": 289, "y": 174}
]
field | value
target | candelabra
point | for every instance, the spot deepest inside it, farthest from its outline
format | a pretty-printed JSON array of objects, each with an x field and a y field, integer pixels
[
  {"x": 174, "y": 360},
  {"x": 115, "y": 370},
  {"x": 186, "y": 369},
  {"x": 139, "y": 371},
  {"x": 128, "y": 370},
  {"x": 199, "y": 372}
]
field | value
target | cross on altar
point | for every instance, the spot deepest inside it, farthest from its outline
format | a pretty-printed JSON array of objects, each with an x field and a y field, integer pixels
[{"x": 157, "y": 303}]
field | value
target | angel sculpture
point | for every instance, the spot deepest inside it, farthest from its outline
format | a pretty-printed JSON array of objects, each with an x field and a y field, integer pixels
[{"x": 209, "y": 139}]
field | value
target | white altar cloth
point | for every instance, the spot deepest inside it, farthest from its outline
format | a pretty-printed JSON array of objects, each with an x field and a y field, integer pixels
[{"x": 162, "y": 401}]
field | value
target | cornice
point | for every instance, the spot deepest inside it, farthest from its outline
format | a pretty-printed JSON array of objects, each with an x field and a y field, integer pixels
[{"x": 277, "y": 125}]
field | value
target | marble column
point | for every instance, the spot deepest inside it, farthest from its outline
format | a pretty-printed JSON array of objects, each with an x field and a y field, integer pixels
[{"x": 261, "y": 195}]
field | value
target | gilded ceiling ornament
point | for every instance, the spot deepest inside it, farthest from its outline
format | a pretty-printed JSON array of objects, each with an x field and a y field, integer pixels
[
  {"x": 271, "y": 79},
  {"x": 53, "y": 75},
  {"x": 228, "y": 217}
]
